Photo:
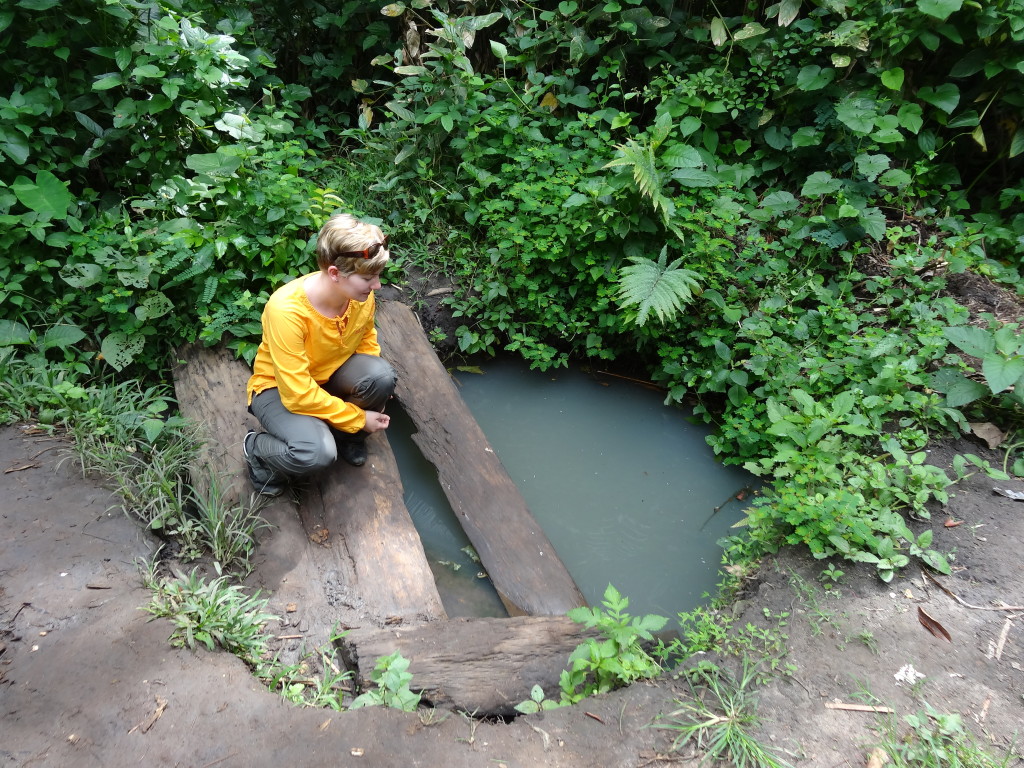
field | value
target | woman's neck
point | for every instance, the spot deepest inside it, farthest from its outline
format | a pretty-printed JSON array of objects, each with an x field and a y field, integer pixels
[{"x": 319, "y": 294}]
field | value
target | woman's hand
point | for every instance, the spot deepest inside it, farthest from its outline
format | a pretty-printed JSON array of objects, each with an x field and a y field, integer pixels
[{"x": 376, "y": 421}]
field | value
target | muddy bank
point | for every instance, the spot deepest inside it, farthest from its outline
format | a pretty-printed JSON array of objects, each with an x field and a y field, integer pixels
[{"x": 86, "y": 679}]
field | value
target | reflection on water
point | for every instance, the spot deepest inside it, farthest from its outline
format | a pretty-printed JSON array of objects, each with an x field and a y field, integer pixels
[
  {"x": 461, "y": 582},
  {"x": 623, "y": 486}
]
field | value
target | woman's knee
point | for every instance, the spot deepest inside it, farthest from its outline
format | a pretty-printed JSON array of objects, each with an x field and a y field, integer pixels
[{"x": 312, "y": 454}]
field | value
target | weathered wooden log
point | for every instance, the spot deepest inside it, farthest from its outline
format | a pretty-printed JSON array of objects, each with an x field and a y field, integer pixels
[
  {"x": 210, "y": 387},
  {"x": 481, "y": 666},
  {"x": 359, "y": 516},
  {"x": 353, "y": 543},
  {"x": 520, "y": 560}
]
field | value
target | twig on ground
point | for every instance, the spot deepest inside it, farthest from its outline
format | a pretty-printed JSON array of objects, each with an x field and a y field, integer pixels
[
  {"x": 1002, "y": 607},
  {"x": 1002, "y": 639},
  {"x": 859, "y": 708}
]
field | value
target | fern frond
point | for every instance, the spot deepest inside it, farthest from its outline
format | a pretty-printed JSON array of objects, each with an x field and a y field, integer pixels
[
  {"x": 654, "y": 287},
  {"x": 209, "y": 289},
  {"x": 648, "y": 178}
]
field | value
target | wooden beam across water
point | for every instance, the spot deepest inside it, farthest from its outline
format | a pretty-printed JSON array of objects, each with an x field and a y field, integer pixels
[
  {"x": 350, "y": 543},
  {"x": 520, "y": 560}
]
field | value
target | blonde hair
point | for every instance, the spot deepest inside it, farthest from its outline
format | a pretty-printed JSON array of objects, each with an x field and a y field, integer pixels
[{"x": 344, "y": 233}]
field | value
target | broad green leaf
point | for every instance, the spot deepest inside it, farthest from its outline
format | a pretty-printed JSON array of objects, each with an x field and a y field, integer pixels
[
  {"x": 887, "y": 130},
  {"x": 893, "y": 78},
  {"x": 858, "y": 114},
  {"x": 967, "y": 119},
  {"x": 12, "y": 332},
  {"x": 62, "y": 336},
  {"x": 119, "y": 349},
  {"x": 719, "y": 32},
  {"x": 1008, "y": 340},
  {"x": 48, "y": 196},
  {"x": 1000, "y": 372},
  {"x": 910, "y": 117},
  {"x": 154, "y": 304},
  {"x": 106, "y": 82},
  {"x": 152, "y": 428},
  {"x": 411, "y": 70},
  {"x": 123, "y": 57},
  {"x": 477, "y": 23},
  {"x": 895, "y": 177},
  {"x": 15, "y": 145},
  {"x": 945, "y": 97},
  {"x": 574, "y": 200},
  {"x": 780, "y": 202},
  {"x": 940, "y": 9},
  {"x": 500, "y": 51},
  {"x": 974, "y": 341},
  {"x": 807, "y": 136},
  {"x": 820, "y": 183},
  {"x": 978, "y": 134},
  {"x": 38, "y": 5},
  {"x": 682, "y": 156},
  {"x": 214, "y": 163},
  {"x": 401, "y": 111},
  {"x": 6, "y": 17},
  {"x": 693, "y": 177},
  {"x": 82, "y": 275},
  {"x": 147, "y": 70},
  {"x": 873, "y": 221},
  {"x": 749, "y": 30},
  {"x": 788, "y": 11},
  {"x": 814, "y": 78},
  {"x": 804, "y": 400},
  {"x": 89, "y": 124},
  {"x": 1017, "y": 142},
  {"x": 871, "y": 166}
]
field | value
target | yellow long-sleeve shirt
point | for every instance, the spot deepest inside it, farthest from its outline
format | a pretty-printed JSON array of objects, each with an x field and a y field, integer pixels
[{"x": 302, "y": 348}]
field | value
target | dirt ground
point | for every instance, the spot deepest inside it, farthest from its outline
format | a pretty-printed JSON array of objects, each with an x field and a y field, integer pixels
[{"x": 86, "y": 679}]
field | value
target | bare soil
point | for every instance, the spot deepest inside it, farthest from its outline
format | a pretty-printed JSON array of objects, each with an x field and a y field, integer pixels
[{"x": 86, "y": 679}]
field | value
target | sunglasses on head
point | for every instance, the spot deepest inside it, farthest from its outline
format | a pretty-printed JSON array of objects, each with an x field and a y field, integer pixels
[{"x": 368, "y": 253}]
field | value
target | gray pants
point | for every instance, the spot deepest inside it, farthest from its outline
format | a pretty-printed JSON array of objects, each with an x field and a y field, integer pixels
[{"x": 295, "y": 445}]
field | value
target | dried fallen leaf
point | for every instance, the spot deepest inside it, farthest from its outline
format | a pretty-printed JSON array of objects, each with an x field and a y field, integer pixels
[
  {"x": 932, "y": 625},
  {"x": 19, "y": 469},
  {"x": 291, "y": 608},
  {"x": 988, "y": 432},
  {"x": 325, "y": 724},
  {"x": 319, "y": 536},
  {"x": 951, "y": 523},
  {"x": 877, "y": 758}
]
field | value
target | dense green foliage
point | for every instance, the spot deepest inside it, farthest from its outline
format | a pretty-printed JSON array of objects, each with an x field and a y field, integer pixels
[{"x": 761, "y": 205}]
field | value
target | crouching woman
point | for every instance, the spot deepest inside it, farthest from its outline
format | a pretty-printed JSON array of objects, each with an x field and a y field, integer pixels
[{"x": 319, "y": 385}]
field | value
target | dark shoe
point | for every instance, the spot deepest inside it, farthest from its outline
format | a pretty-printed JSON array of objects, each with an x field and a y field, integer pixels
[
  {"x": 265, "y": 481},
  {"x": 353, "y": 450}
]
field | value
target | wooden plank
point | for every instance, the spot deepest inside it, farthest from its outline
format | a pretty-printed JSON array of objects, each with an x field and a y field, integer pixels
[
  {"x": 486, "y": 666},
  {"x": 519, "y": 558},
  {"x": 210, "y": 388},
  {"x": 359, "y": 516},
  {"x": 352, "y": 546}
]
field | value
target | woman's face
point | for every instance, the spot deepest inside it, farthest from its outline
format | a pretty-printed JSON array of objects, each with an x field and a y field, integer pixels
[{"x": 354, "y": 286}]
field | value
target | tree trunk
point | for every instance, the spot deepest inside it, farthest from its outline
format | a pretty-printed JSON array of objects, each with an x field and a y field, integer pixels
[{"x": 519, "y": 558}]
